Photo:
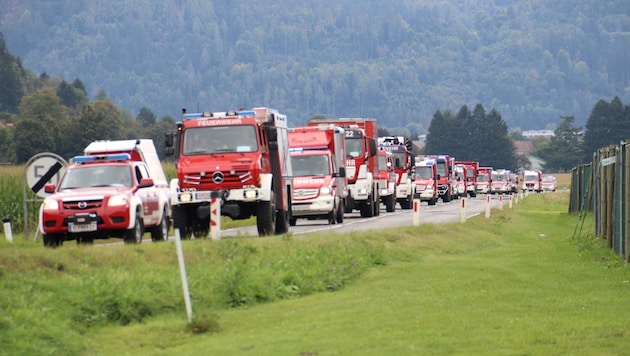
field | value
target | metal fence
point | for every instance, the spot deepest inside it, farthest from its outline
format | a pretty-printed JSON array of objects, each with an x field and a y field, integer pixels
[{"x": 601, "y": 188}]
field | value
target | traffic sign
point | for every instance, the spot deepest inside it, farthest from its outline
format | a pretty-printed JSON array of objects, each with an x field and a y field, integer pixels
[{"x": 44, "y": 168}]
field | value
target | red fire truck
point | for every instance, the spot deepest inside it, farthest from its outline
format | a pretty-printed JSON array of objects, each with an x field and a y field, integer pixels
[
  {"x": 426, "y": 180},
  {"x": 472, "y": 171},
  {"x": 239, "y": 157},
  {"x": 484, "y": 180},
  {"x": 446, "y": 182},
  {"x": 386, "y": 178},
  {"x": 320, "y": 186},
  {"x": 398, "y": 146},
  {"x": 361, "y": 163}
]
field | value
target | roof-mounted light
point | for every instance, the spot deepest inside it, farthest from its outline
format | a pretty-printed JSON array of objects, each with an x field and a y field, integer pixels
[{"x": 102, "y": 158}]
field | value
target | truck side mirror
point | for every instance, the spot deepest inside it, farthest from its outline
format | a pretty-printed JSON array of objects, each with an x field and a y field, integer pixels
[
  {"x": 372, "y": 148},
  {"x": 146, "y": 182},
  {"x": 169, "y": 139},
  {"x": 342, "y": 172},
  {"x": 438, "y": 177},
  {"x": 169, "y": 151}
]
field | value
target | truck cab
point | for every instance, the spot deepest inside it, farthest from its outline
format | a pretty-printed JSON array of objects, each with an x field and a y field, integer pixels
[
  {"x": 386, "y": 178},
  {"x": 426, "y": 181},
  {"x": 116, "y": 189},
  {"x": 320, "y": 186}
]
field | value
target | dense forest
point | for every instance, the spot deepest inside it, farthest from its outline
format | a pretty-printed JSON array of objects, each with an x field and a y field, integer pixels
[{"x": 399, "y": 61}]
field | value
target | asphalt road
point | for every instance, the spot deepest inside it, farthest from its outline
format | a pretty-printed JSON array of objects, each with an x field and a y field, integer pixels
[{"x": 439, "y": 213}]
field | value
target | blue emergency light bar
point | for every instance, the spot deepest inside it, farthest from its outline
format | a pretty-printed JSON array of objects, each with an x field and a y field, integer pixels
[
  {"x": 296, "y": 149},
  {"x": 206, "y": 114},
  {"x": 100, "y": 158}
]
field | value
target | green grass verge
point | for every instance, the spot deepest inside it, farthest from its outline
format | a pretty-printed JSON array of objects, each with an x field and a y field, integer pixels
[{"x": 518, "y": 283}]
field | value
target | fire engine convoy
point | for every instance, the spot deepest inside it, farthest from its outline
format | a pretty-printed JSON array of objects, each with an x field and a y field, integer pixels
[
  {"x": 116, "y": 189},
  {"x": 401, "y": 150},
  {"x": 320, "y": 186},
  {"x": 532, "y": 181},
  {"x": 239, "y": 157},
  {"x": 361, "y": 163}
]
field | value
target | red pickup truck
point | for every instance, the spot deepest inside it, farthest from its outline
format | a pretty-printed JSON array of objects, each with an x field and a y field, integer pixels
[{"x": 116, "y": 189}]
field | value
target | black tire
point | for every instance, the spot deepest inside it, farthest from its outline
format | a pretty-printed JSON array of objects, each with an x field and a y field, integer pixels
[
  {"x": 432, "y": 201},
  {"x": 53, "y": 240},
  {"x": 265, "y": 218},
  {"x": 390, "y": 204},
  {"x": 134, "y": 235},
  {"x": 340, "y": 212},
  {"x": 367, "y": 210},
  {"x": 446, "y": 197},
  {"x": 332, "y": 216},
  {"x": 406, "y": 204},
  {"x": 292, "y": 221},
  {"x": 181, "y": 222},
  {"x": 160, "y": 231},
  {"x": 282, "y": 222},
  {"x": 377, "y": 204}
]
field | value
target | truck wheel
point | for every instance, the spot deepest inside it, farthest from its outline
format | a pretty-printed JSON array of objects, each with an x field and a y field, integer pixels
[
  {"x": 134, "y": 235},
  {"x": 292, "y": 221},
  {"x": 446, "y": 197},
  {"x": 340, "y": 211},
  {"x": 160, "y": 232},
  {"x": 332, "y": 216},
  {"x": 406, "y": 204},
  {"x": 432, "y": 201},
  {"x": 265, "y": 217},
  {"x": 367, "y": 209},
  {"x": 282, "y": 222},
  {"x": 53, "y": 240},
  {"x": 390, "y": 204},
  {"x": 376, "y": 204}
]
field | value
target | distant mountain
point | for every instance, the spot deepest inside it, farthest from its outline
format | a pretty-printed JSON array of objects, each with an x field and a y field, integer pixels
[{"x": 398, "y": 61}]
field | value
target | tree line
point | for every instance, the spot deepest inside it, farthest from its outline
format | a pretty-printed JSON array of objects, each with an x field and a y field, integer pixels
[{"x": 48, "y": 114}]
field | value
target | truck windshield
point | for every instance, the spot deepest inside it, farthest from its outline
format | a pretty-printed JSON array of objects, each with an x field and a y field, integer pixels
[
  {"x": 354, "y": 146},
  {"x": 219, "y": 139},
  {"x": 531, "y": 177},
  {"x": 96, "y": 176},
  {"x": 306, "y": 166},
  {"x": 424, "y": 172},
  {"x": 482, "y": 178}
]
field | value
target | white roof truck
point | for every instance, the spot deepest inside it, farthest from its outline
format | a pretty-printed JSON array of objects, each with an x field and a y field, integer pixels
[{"x": 116, "y": 189}]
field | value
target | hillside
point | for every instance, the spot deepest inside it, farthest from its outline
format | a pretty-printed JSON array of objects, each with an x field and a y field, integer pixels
[{"x": 398, "y": 61}]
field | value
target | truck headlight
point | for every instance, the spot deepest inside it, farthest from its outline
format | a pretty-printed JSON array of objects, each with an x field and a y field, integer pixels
[
  {"x": 118, "y": 200},
  {"x": 324, "y": 190},
  {"x": 50, "y": 204},
  {"x": 185, "y": 197}
]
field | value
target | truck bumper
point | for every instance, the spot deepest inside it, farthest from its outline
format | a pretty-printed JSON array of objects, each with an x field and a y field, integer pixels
[{"x": 319, "y": 206}]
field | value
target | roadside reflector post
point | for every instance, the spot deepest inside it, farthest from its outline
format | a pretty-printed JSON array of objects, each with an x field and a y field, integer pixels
[
  {"x": 182, "y": 271},
  {"x": 501, "y": 202},
  {"x": 487, "y": 206},
  {"x": 215, "y": 218},
  {"x": 510, "y": 202},
  {"x": 516, "y": 198},
  {"x": 416, "y": 212},
  {"x": 462, "y": 212},
  {"x": 8, "y": 233}
]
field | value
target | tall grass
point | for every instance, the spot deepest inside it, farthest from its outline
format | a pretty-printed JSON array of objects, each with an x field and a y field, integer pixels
[{"x": 517, "y": 283}]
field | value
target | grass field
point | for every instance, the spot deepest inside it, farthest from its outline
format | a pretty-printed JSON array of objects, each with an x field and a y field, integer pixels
[{"x": 518, "y": 283}]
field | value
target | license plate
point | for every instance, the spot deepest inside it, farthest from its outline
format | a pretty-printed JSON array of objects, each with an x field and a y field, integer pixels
[
  {"x": 82, "y": 227},
  {"x": 299, "y": 207},
  {"x": 202, "y": 196}
]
